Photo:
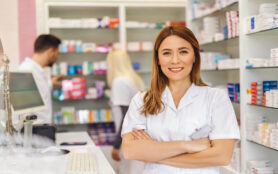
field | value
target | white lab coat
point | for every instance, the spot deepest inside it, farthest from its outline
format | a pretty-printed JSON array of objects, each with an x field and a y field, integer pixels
[
  {"x": 198, "y": 107},
  {"x": 44, "y": 84},
  {"x": 122, "y": 91}
]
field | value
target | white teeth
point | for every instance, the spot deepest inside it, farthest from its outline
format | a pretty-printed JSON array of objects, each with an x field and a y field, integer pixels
[{"x": 175, "y": 69}]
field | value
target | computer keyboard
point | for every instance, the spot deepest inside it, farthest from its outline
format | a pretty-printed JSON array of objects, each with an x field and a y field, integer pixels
[{"x": 81, "y": 163}]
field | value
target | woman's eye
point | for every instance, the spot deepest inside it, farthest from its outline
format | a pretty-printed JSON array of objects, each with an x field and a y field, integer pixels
[
  {"x": 166, "y": 53},
  {"x": 183, "y": 52}
]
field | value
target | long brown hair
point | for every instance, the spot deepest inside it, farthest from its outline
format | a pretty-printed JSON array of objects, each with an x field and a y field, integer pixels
[{"x": 152, "y": 99}]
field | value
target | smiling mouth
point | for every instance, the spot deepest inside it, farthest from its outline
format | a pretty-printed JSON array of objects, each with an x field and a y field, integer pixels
[{"x": 176, "y": 69}]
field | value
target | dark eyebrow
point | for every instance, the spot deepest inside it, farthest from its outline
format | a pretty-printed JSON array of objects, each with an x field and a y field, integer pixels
[
  {"x": 181, "y": 48},
  {"x": 166, "y": 49}
]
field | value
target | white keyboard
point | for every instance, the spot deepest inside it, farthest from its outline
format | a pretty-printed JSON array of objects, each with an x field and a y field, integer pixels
[{"x": 81, "y": 163}]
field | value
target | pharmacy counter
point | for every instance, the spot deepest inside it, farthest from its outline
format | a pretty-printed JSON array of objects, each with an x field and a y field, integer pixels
[{"x": 103, "y": 165}]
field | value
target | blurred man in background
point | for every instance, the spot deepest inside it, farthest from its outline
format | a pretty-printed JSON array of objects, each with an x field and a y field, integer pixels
[{"x": 46, "y": 49}]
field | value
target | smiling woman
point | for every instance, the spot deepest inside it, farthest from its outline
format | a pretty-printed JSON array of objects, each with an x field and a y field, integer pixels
[
  {"x": 176, "y": 57},
  {"x": 167, "y": 50},
  {"x": 160, "y": 122}
]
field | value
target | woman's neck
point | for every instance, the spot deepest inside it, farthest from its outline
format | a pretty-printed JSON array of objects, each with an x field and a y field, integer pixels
[
  {"x": 175, "y": 86},
  {"x": 178, "y": 89}
]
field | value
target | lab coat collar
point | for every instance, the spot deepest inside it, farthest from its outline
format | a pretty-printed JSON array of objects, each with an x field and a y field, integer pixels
[
  {"x": 187, "y": 99},
  {"x": 36, "y": 65}
]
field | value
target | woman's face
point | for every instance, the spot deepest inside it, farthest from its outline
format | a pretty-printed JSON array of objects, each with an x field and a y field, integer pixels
[{"x": 176, "y": 58}]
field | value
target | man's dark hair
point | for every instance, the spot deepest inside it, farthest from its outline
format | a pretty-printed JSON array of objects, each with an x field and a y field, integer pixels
[{"x": 46, "y": 41}]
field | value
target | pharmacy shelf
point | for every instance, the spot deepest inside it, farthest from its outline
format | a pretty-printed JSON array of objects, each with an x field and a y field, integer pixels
[
  {"x": 231, "y": 170},
  {"x": 101, "y": 36},
  {"x": 262, "y": 145},
  {"x": 221, "y": 10},
  {"x": 264, "y": 31},
  {"x": 81, "y": 28},
  {"x": 263, "y": 67},
  {"x": 70, "y": 124},
  {"x": 256, "y": 44},
  {"x": 81, "y": 75},
  {"x": 139, "y": 28},
  {"x": 209, "y": 70},
  {"x": 150, "y": 51},
  {"x": 166, "y": 10},
  {"x": 220, "y": 41},
  {"x": 262, "y": 106},
  {"x": 73, "y": 100},
  {"x": 83, "y": 53},
  {"x": 230, "y": 46}
]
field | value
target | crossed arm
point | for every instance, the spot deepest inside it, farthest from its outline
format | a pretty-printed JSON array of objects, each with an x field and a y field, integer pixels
[{"x": 138, "y": 145}]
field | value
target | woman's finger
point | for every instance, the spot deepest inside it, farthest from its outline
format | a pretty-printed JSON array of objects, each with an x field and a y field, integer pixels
[
  {"x": 145, "y": 134},
  {"x": 141, "y": 134},
  {"x": 137, "y": 134}
]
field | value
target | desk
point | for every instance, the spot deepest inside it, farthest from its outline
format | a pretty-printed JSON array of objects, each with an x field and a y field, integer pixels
[{"x": 103, "y": 165}]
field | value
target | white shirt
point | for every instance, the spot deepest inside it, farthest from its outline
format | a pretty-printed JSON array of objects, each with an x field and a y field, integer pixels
[
  {"x": 198, "y": 107},
  {"x": 44, "y": 85},
  {"x": 122, "y": 91}
]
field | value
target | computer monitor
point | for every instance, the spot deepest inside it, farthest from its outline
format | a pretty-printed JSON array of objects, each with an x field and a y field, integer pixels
[{"x": 25, "y": 95}]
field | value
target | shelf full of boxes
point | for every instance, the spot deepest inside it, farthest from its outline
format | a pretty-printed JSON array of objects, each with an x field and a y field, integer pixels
[
  {"x": 258, "y": 39},
  {"x": 89, "y": 30},
  {"x": 87, "y": 34},
  {"x": 216, "y": 26}
]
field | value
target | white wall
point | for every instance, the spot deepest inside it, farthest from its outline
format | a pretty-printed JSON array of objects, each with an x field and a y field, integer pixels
[{"x": 9, "y": 30}]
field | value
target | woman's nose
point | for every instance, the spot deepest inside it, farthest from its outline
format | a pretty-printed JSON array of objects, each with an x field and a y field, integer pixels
[{"x": 175, "y": 58}]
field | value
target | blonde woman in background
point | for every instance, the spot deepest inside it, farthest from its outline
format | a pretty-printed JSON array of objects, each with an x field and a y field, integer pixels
[{"x": 124, "y": 83}]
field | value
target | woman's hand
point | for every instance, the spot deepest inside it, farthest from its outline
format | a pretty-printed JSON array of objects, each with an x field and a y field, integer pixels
[
  {"x": 140, "y": 135},
  {"x": 198, "y": 145}
]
